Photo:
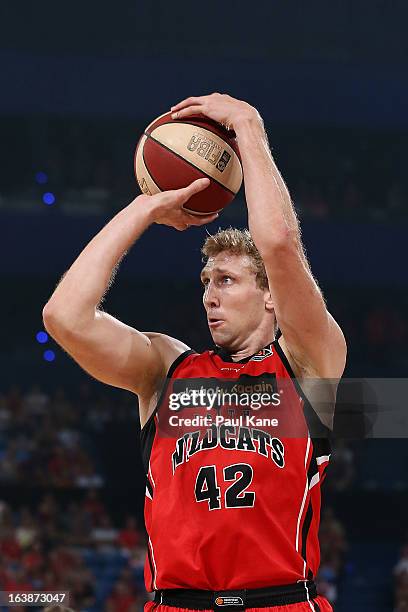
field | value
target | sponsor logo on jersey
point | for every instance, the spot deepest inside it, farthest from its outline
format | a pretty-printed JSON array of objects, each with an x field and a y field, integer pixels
[
  {"x": 246, "y": 390},
  {"x": 263, "y": 354},
  {"x": 229, "y": 601}
]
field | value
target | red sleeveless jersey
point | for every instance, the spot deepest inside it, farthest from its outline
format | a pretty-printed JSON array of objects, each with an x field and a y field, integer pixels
[{"x": 232, "y": 500}]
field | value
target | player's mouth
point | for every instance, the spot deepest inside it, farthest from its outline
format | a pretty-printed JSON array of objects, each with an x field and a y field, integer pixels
[{"x": 213, "y": 322}]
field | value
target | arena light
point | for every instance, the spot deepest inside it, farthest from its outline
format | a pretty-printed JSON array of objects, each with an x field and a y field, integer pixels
[
  {"x": 41, "y": 178},
  {"x": 42, "y": 337},
  {"x": 49, "y": 355},
  {"x": 48, "y": 198}
]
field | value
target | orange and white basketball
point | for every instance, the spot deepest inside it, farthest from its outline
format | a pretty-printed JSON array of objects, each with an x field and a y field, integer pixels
[{"x": 173, "y": 153}]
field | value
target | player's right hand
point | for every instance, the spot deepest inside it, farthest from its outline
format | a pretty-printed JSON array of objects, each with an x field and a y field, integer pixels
[{"x": 166, "y": 208}]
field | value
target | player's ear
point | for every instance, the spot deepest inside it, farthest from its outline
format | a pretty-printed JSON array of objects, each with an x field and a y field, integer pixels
[{"x": 268, "y": 300}]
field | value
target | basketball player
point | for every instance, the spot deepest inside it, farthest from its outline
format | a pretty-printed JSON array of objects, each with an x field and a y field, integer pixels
[{"x": 232, "y": 513}]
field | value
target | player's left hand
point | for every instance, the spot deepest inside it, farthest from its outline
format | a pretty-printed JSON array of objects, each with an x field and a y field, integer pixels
[{"x": 220, "y": 107}]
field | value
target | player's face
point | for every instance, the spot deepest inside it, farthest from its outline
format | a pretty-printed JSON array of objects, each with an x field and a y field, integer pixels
[{"x": 234, "y": 303}]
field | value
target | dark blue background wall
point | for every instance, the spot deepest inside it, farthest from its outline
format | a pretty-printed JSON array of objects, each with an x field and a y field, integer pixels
[
  {"x": 341, "y": 252},
  {"x": 341, "y": 61}
]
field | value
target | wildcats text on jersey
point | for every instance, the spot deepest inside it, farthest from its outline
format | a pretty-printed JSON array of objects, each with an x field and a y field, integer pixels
[{"x": 228, "y": 438}]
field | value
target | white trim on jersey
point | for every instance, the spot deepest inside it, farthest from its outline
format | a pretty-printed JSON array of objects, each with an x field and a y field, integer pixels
[
  {"x": 304, "y": 496},
  {"x": 307, "y": 447},
  {"x": 308, "y": 599},
  {"x": 322, "y": 459},
  {"x": 148, "y": 494},
  {"x": 154, "y": 565},
  {"x": 311, "y": 604},
  {"x": 314, "y": 480},
  {"x": 151, "y": 476}
]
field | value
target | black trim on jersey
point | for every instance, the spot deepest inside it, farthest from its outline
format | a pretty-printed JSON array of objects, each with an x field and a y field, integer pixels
[
  {"x": 313, "y": 472},
  {"x": 267, "y": 597},
  {"x": 321, "y": 446},
  {"x": 312, "y": 418},
  {"x": 149, "y": 428},
  {"x": 306, "y": 527},
  {"x": 149, "y": 487},
  {"x": 151, "y": 567},
  {"x": 227, "y": 356}
]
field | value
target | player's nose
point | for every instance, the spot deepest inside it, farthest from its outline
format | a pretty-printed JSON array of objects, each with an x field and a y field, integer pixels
[{"x": 211, "y": 298}]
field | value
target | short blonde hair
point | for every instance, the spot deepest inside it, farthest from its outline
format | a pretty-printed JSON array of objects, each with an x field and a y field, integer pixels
[{"x": 237, "y": 242}]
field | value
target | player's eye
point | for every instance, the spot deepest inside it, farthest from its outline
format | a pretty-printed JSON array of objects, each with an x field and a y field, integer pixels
[{"x": 226, "y": 280}]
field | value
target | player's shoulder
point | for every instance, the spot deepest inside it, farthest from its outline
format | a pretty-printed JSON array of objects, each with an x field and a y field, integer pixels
[
  {"x": 168, "y": 348},
  {"x": 167, "y": 352},
  {"x": 173, "y": 352}
]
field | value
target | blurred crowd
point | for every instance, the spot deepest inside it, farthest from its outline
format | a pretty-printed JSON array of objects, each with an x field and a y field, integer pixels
[
  {"x": 49, "y": 440},
  {"x": 341, "y": 471},
  {"x": 75, "y": 548},
  {"x": 89, "y": 166},
  {"x": 333, "y": 555},
  {"x": 43, "y": 443},
  {"x": 401, "y": 580}
]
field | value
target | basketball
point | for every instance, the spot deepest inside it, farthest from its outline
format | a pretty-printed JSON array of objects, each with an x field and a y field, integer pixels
[{"x": 173, "y": 153}]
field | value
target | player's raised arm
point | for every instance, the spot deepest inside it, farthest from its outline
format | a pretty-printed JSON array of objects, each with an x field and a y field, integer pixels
[
  {"x": 108, "y": 349},
  {"x": 310, "y": 333}
]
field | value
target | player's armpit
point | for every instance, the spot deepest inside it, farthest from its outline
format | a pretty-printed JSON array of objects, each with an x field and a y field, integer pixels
[
  {"x": 311, "y": 334},
  {"x": 116, "y": 353}
]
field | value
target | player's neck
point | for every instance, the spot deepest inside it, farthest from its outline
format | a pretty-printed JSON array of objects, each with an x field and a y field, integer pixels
[{"x": 250, "y": 347}]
